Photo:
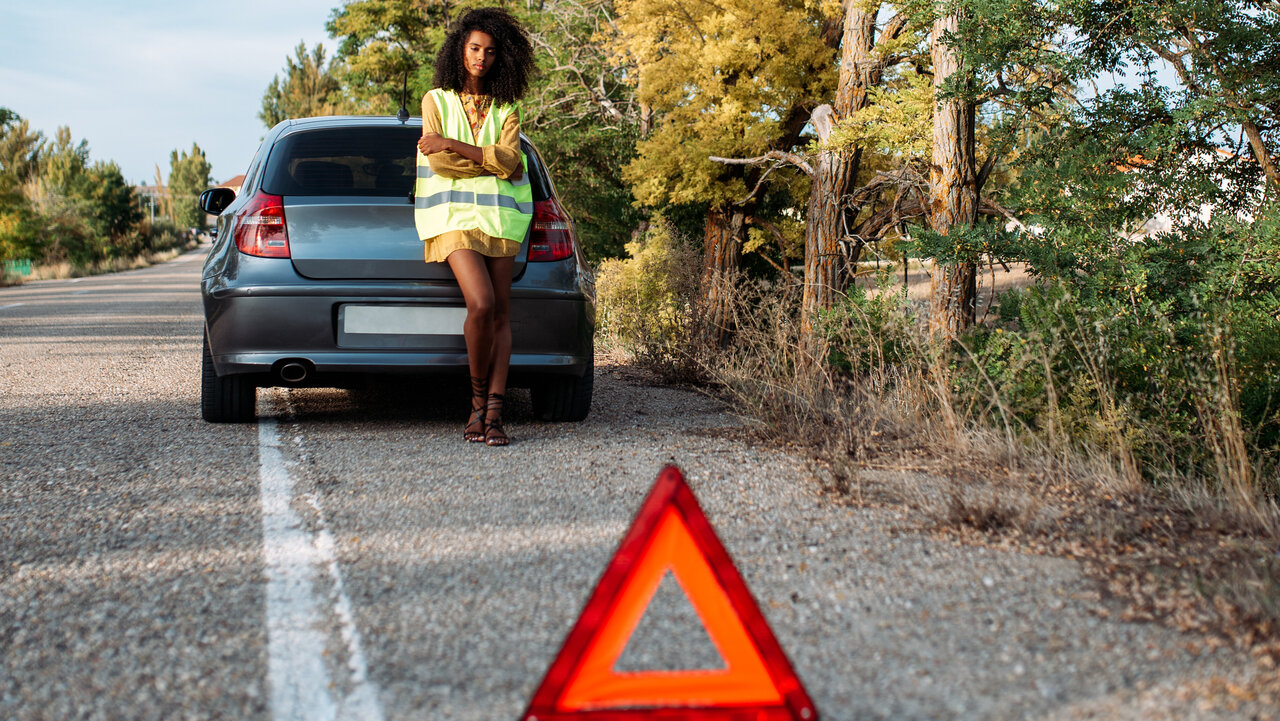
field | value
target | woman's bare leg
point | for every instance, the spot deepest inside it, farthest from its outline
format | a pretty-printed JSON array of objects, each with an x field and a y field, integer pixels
[
  {"x": 500, "y": 270},
  {"x": 472, "y": 273}
]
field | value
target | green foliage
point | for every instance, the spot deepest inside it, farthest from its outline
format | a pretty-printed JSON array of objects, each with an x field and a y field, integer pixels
[
  {"x": 113, "y": 207},
  {"x": 188, "y": 178},
  {"x": 65, "y": 163},
  {"x": 1223, "y": 51},
  {"x": 898, "y": 120},
  {"x": 19, "y": 232},
  {"x": 724, "y": 80},
  {"x": 379, "y": 41},
  {"x": 964, "y": 244},
  {"x": 310, "y": 88},
  {"x": 55, "y": 206},
  {"x": 20, "y": 150},
  {"x": 586, "y": 163},
  {"x": 1135, "y": 351},
  {"x": 867, "y": 331}
]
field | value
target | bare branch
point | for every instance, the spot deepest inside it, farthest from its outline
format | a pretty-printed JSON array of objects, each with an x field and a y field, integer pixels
[
  {"x": 776, "y": 156},
  {"x": 985, "y": 172},
  {"x": 892, "y": 29},
  {"x": 1005, "y": 212}
]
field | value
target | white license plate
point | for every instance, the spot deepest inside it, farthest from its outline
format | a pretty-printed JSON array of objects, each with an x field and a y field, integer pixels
[{"x": 402, "y": 320}]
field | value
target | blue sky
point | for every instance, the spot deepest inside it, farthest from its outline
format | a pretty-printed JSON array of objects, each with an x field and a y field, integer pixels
[{"x": 142, "y": 78}]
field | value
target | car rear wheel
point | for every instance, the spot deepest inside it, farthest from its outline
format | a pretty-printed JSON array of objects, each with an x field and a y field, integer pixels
[
  {"x": 563, "y": 398},
  {"x": 229, "y": 399}
]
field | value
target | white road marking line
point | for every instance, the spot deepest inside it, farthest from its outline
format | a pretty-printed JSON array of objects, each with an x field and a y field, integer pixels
[
  {"x": 296, "y": 559},
  {"x": 11, "y": 305},
  {"x": 362, "y": 702}
]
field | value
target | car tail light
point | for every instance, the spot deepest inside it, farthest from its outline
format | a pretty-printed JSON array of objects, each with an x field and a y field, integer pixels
[
  {"x": 260, "y": 228},
  {"x": 552, "y": 235}
]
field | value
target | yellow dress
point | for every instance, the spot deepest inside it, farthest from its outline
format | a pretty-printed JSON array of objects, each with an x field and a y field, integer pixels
[{"x": 501, "y": 159}]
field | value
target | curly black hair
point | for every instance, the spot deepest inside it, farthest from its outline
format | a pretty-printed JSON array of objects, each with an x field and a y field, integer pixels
[{"x": 507, "y": 80}]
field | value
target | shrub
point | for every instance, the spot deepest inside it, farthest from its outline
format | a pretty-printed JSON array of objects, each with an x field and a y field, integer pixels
[
  {"x": 867, "y": 330},
  {"x": 647, "y": 302}
]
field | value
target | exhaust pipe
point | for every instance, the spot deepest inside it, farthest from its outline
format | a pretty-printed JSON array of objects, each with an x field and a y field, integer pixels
[{"x": 293, "y": 372}]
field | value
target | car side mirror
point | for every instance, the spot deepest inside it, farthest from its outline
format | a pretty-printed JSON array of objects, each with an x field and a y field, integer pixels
[{"x": 215, "y": 200}]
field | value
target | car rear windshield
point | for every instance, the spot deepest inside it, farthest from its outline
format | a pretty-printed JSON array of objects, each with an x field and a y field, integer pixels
[
  {"x": 354, "y": 161},
  {"x": 343, "y": 161}
]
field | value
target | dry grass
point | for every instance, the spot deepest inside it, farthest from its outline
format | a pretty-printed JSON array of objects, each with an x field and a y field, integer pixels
[
  {"x": 63, "y": 270},
  {"x": 1198, "y": 555},
  {"x": 894, "y": 428}
]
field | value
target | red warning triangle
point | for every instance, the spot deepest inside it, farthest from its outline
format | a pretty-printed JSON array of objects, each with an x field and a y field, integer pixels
[{"x": 671, "y": 534}]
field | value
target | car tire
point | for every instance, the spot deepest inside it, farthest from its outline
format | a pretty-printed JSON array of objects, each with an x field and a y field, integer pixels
[
  {"x": 563, "y": 398},
  {"x": 229, "y": 399}
]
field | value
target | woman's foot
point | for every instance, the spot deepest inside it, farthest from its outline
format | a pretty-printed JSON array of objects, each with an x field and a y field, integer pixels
[
  {"x": 494, "y": 435},
  {"x": 474, "y": 431}
]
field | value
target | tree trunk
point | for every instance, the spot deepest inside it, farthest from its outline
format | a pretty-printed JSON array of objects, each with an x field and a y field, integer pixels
[
  {"x": 824, "y": 276},
  {"x": 953, "y": 191},
  {"x": 722, "y": 253},
  {"x": 834, "y": 173}
]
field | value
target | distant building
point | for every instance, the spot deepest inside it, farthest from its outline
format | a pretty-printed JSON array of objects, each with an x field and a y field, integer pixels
[
  {"x": 233, "y": 184},
  {"x": 1165, "y": 220}
]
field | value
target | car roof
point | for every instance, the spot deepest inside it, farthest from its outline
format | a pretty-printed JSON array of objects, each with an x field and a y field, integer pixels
[
  {"x": 347, "y": 121},
  {"x": 296, "y": 125}
]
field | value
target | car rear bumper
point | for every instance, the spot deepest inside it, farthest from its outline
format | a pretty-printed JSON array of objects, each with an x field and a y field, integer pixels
[{"x": 255, "y": 332}]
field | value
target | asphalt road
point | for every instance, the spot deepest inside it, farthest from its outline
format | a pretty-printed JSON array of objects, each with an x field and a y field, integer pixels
[{"x": 349, "y": 557}]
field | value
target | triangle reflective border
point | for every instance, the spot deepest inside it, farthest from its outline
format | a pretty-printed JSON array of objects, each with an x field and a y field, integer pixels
[{"x": 671, "y": 534}]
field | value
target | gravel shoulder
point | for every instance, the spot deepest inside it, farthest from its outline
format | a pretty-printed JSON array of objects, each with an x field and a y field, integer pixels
[{"x": 469, "y": 565}]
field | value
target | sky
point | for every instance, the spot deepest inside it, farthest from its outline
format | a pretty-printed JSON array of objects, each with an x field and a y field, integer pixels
[{"x": 139, "y": 79}]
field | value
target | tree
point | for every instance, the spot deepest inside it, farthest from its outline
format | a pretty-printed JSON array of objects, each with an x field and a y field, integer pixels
[
  {"x": 832, "y": 211},
  {"x": 584, "y": 114},
  {"x": 188, "y": 178},
  {"x": 310, "y": 88},
  {"x": 953, "y": 178},
  {"x": 980, "y": 52},
  {"x": 728, "y": 80},
  {"x": 65, "y": 163},
  {"x": 20, "y": 150},
  {"x": 114, "y": 207},
  {"x": 1224, "y": 53},
  {"x": 384, "y": 44}
]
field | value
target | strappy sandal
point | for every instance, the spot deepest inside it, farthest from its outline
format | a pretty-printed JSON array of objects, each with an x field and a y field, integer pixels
[
  {"x": 494, "y": 435},
  {"x": 474, "y": 432}
]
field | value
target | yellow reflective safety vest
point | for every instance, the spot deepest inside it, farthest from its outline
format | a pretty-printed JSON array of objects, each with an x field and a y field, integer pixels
[{"x": 499, "y": 208}]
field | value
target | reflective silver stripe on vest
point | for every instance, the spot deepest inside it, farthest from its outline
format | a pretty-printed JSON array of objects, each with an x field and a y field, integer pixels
[
  {"x": 425, "y": 172},
  {"x": 470, "y": 198}
]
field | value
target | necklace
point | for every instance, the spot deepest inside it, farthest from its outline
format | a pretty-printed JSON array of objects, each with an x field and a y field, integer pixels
[{"x": 477, "y": 108}]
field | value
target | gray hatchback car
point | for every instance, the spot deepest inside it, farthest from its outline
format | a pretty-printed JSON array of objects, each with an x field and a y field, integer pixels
[{"x": 316, "y": 277}]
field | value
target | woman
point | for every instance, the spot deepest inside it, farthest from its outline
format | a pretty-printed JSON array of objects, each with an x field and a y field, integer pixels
[{"x": 473, "y": 201}]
